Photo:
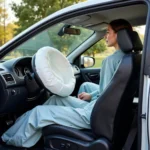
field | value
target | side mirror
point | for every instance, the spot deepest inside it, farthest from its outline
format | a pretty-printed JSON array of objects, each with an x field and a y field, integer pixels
[{"x": 87, "y": 61}]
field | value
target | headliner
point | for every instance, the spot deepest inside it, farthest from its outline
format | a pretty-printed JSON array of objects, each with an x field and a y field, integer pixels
[{"x": 135, "y": 14}]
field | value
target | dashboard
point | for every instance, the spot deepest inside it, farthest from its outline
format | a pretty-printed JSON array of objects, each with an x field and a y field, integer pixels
[
  {"x": 21, "y": 71},
  {"x": 13, "y": 71},
  {"x": 14, "y": 92}
]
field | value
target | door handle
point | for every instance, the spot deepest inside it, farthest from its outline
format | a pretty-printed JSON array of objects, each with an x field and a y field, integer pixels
[{"x": 93, "y": 75}]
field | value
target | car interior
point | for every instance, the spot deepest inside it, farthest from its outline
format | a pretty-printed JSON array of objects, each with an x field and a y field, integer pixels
[{"x": 114, "y": 110}]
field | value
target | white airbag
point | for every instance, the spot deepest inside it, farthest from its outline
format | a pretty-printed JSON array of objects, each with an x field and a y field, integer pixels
[{"x": 55, "y": 71}]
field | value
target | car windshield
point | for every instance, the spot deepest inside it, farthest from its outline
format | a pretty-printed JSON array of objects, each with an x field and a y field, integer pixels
[{"x": 54, "y": 37}]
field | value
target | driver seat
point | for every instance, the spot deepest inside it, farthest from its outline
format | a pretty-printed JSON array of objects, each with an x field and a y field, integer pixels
[{"x": 112, "y": 114}]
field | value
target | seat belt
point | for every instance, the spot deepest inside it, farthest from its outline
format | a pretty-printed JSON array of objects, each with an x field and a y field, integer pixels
[{"x": 132, "y": 134}]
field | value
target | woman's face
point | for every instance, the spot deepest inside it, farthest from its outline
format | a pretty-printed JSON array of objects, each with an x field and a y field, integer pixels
[{"x": 111, "y": 37}]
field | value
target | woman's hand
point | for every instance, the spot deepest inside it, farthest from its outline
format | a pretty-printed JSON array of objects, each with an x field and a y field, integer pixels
[{"x": 84, "y": 96}]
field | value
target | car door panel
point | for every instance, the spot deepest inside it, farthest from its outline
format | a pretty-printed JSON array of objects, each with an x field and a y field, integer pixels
[
  {"x": 90, "y": 75},
  {"x": 86, "y": 75}
]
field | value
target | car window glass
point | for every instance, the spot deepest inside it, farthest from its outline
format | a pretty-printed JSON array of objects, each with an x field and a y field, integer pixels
[
  {"x": 65, "y": 43},
  {"x": 100, "y": 50}
]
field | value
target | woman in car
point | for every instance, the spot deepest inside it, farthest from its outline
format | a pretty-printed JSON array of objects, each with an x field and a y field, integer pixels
[
  {"x": 67, "y": 111},
  {"x": 91, "y": 91}
]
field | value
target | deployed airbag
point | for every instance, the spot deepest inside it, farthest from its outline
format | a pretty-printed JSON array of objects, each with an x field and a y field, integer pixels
[{"x": 55, "y": 71}]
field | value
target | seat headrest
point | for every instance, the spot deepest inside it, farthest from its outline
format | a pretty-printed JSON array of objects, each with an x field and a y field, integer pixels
[{"x": 129, "y": 40}]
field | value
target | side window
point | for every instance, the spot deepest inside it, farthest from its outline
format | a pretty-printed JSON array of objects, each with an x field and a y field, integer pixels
[{"x": 99, "y": 51}]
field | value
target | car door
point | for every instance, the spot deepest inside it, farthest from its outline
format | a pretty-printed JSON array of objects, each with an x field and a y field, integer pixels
[
  {"x": 90, "y": 75},
  {"x": 144, "y": 97},
  {"x": 144, "y": 93}
]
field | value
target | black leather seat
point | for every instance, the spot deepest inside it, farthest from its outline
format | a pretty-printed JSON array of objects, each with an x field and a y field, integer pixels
[{"x": 112, "y": 114}]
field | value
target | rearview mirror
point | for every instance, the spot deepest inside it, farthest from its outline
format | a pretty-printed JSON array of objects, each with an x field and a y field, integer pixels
[
  {"x": 66, "y": 29},
  {"x": 72, "y": 31}
]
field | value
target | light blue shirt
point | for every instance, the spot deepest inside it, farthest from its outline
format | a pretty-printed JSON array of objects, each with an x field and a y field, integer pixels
[{"x": 109, "y": 66}]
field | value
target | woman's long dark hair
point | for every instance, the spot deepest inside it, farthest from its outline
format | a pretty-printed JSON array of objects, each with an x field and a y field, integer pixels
[{"x": 119, "y": 24}]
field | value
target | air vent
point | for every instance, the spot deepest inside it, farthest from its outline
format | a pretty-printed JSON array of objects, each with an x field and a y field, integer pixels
[
  {"x": 76, "y": 68},
  {"x": 1, "y": 69},
  {"x": 8, "y": 79}
]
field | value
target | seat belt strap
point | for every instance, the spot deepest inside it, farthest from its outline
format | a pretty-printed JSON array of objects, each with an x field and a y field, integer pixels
[{"x": 132, "y": 134}]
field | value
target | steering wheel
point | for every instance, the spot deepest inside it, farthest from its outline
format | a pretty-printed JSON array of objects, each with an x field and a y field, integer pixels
[{"x": 53, "y": 71}]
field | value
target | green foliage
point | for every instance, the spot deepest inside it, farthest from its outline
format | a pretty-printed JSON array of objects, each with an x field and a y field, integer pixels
[
  {"x": 97, "y": 48},
  {"x": 98, "y": 62},
  {"x": 67, "y": 43},
  {"x": 31, "y": 11},
  {"x": 6, "y": 30}
]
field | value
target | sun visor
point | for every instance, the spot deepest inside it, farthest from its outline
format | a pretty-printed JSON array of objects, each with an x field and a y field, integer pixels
[{"x": 97, "y": 27}]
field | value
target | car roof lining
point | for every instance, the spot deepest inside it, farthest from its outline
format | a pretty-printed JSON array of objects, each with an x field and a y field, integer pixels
[{"x": 135, "y": 14}]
